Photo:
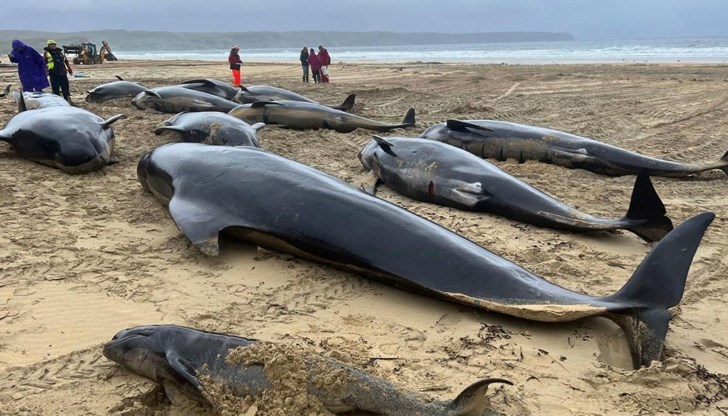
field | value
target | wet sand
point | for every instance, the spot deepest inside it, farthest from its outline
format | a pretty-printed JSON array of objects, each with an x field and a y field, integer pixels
[{"x": 82, "y": 257}]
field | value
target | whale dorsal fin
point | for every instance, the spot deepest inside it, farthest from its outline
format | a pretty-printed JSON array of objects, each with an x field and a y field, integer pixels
[
  {"x": 258, "y": 126},
  {"x": 259, "y": 104},
  {"x": 385, "y": 145},
  {"x": 7, "y": 90},
  {"x": 200, "y": 81},
  {"x": 119, "y": 78},
  {"x": 464, "y": 126}
]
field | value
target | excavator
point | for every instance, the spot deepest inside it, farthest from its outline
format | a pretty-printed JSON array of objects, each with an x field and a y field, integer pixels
[{"x": 86, "y": 53}]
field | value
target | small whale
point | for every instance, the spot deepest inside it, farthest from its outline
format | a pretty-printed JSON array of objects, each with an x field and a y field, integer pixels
[{"x": 176, "y": 357}]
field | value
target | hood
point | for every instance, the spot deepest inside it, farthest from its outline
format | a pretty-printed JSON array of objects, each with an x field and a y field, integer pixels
[{"x": 18, "y": 44}]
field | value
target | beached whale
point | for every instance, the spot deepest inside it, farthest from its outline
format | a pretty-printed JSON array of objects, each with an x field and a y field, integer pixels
[
  {"x": 176, "y": 99},
  {"x": 430, "y": 171},
  {"x": 283, "y": 205},
  {"x": 300, "y": 115},
  {"x": 211, "y": 86},
  {"x": 176, "y": 357},
  {"x": 254, "y": 93},
  {"x": 64, "y": 137},
  {"x": 36, "y": 100},
  {"x": 114, "y": 90},
  {"x": 211, "y": 127},
  {"x": 503, "y": 140}
]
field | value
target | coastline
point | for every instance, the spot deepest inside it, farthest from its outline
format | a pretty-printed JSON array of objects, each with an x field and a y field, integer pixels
[{"x": 85, "y": 256}]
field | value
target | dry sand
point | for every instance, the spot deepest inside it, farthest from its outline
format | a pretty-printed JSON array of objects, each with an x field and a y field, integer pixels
[{"x": 82, "y": 257}]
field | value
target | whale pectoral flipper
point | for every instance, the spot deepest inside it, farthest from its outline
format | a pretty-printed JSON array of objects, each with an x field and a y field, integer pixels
[
  {"x": 473, "y": 401},
  {"x": 657, "y": 284},
  {"x": 199, "y": 222},
  {"x": 184, "y": 374},
  {"x": 182, "y": 369},
  {"x": 469, "y": 193}
]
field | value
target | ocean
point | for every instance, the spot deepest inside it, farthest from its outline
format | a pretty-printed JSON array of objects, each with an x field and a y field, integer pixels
[{"x": 698, "y": 50}]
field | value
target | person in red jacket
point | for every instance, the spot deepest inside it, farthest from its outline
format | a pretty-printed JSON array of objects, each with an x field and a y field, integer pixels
[
  {"x": 315, "y": 64},
  {"x": 235, "y": 64},
  {"x": 325, "y": 62}
]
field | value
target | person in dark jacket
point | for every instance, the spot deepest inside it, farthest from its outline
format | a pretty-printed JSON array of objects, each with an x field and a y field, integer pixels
[
  {"x": 304, "y": 63},
  {"x": 235, "y": 65},
  {"x": 315, "y": 63},
  {"x": 31, "y": 67},
  {"x": 325, "y": 62},
  {"x": 58, "y": 66}
]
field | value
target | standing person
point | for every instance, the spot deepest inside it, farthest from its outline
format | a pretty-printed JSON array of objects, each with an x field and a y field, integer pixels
[
  {"x": 304, "y": 63},
  {"x": 325, "y": 62},
  {"x": 31, "y": 67},
  {"x": 315, "y": 63},
  {"x": 58, "y": 66},
  {"x": 235, "y": 65}
]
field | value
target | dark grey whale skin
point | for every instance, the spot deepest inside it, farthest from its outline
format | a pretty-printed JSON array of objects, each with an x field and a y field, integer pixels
[
  {"x": 211, "y": 127},
  {"x": 174, "y": 356},
  {"x": 431, "y": 171},
  {"x": 501, "y": 140},
  {"x": 255, "y": 93},
  {"x": 281, "y": 204},
  {"x": 64, "y": 137},
  {"x": 300, "y": 115},
  {"x": 114, "y": 90},
  {"x": 176, "y": 99}
]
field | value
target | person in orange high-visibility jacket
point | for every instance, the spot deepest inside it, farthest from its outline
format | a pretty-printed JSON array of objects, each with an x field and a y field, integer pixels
[
  {"x": 58, "y": 66},
  {"x": 235, "y": 64}
]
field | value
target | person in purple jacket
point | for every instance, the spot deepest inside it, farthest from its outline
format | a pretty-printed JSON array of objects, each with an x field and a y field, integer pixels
[
  {"x": 315, "y": 63},
  {"x": 31, "y": 66}
]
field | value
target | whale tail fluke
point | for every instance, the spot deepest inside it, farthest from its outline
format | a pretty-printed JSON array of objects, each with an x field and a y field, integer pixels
[
  {"x": 656, "y": 285},
  {"x": 647, "y": 208},
  {"x": 473, "y": 401}
]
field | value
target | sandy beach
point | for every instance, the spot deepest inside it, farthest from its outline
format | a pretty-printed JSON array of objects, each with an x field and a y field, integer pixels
[{"x": 82, "y": 257}]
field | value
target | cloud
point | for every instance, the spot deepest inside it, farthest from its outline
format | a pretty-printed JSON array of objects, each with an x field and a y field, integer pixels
[{"x": 586, "y": 19}]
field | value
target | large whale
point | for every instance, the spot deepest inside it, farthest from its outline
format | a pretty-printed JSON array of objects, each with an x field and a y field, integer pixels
[
  {"x": 176, "y": 357},
  {"x": 211, "y": 127},
  {"x": 504, "y": 140},
  {"x": 300, "y": 115},
  {"x": 68, "y": 138},
  {"x": 254, "y": 93},
  {"x": 430, "y": 171},
  {"x": 283, "y": 205},
  {"x": 176, "y": 99},
  {"x": 114, "y": 90}
]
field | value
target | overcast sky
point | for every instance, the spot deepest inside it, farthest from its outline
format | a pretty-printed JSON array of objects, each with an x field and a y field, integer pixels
[{"x": 585, "y": 19}]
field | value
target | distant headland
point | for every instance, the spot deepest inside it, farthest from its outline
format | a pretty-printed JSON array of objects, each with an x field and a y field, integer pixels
[{"x": 177, "y": 41}]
